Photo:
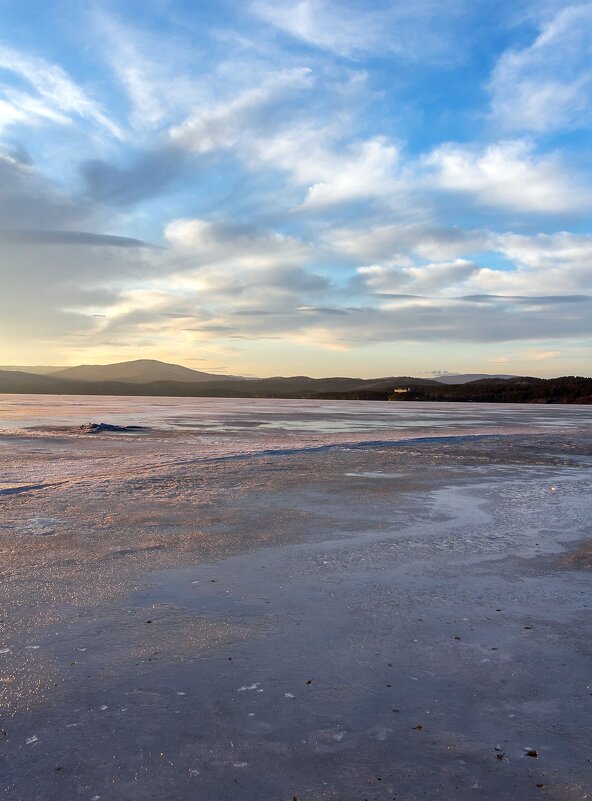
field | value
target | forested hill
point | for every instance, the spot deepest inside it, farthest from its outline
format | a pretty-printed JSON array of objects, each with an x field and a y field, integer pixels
[{"x": 567, "y": 389}]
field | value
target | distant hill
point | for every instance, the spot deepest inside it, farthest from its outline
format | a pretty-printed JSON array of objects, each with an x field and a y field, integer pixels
[
  {"x": 147, "y": 377},
  {"x": 34, "y": 369},
  {"x": 153, "y": 378},
  {"x": 464, "y": 378},
  {"x": 140, "y": 371},
  {"x": 16, "y": 381}
]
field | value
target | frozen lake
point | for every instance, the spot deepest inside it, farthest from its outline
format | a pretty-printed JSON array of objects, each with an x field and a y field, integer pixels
[
  {"x": 262, "y": 599},
  {"x": 262, "y": 415}
]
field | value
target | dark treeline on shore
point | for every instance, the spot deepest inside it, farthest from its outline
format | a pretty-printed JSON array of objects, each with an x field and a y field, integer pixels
[{"x": 566, "y": 389}]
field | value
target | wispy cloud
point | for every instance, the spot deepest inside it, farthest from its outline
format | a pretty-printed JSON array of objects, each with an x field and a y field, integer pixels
[
  {"x": 38, "y": 236},
  {"x": 56, "y": 96},
  {"x": 547, "y": 85},
  {"x": 225, "y": 124},
  {"x": 151, "y": 68},
  {"x": 543, "y": 355},
  {"x": 414, "y": 31}
]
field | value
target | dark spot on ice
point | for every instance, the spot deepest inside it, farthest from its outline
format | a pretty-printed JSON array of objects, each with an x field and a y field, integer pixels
[
  {"x": 419, "y": 727},
  {"x": 309, "y": 682},
  {"x": 98, "y": 428}
]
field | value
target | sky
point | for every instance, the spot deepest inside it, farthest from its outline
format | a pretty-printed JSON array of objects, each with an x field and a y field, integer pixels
[{"x": 320, "y": 187}]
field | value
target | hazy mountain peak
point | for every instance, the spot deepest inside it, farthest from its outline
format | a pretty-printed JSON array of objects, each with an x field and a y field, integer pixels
[{"x": 136, "y": 371}]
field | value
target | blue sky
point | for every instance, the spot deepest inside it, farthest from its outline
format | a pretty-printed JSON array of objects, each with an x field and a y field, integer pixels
[{"x": 314, "y": 187}]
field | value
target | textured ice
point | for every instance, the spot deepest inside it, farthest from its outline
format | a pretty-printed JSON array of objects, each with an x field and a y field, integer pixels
[{"x": 357, "y": 600}]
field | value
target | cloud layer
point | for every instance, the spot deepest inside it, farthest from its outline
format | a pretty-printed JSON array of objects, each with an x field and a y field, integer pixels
[{"x": 301, "y": 180}]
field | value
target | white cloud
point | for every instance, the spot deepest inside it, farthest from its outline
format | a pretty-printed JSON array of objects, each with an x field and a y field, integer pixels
[
  {"x": 539, "y": 264},
  {"x": 543, "y": 270},
  {"x": 57, "y": 96},
  {"x": 366, "y": 170},
  {"x": 323, "y": 24},
  {"x": 20, "y": 107},
  {"x": 562, "y": 249},
  {"x": 413, "y": 31},
  {"x": 544, "y": 264},
  {"x": 153, "y": 69},
  {"x": 328, "y": 171},
  {"x": 547, "y": 85},
  {"x": 224, "y": 125},
  {"x": 216, "y": 282},
  {"x": 397, "y": 243},
  {"x": 136, "y": 73},
  {"x": 318, "y": 162},
  {"x": 444, "y": 278},
  {"x": 508, "y": 175},
  {"x": 207, "y": 243}
]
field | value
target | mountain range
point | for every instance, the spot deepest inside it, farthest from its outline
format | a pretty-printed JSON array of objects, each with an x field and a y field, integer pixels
[
  {"x": 152, "y": 377},
  {"x": 141, "y": 371}
]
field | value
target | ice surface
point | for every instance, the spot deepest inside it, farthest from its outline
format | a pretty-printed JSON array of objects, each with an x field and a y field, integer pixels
[{"x": 265, "y": 600}]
